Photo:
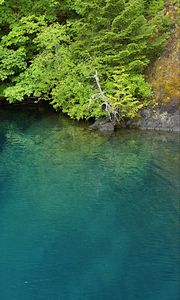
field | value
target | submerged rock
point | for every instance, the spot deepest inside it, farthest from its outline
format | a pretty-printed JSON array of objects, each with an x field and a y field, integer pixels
[{"x": 103, "y": 125}]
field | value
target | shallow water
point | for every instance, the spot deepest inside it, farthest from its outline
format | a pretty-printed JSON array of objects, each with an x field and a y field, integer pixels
[{"x": 85, "y": 216}]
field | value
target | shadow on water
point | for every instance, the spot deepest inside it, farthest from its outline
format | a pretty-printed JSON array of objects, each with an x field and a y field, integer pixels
[{"x": 2, "y": 140}]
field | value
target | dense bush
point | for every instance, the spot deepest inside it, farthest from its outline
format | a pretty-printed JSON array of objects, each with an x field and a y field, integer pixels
[{"x": 54, "y": 52}]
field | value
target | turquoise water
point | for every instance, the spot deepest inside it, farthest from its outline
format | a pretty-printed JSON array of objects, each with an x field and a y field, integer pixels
[{"x": 85, "y": 216}]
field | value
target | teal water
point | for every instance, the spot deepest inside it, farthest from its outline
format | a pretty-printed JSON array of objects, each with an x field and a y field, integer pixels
[{"x": 85, "y": 216}]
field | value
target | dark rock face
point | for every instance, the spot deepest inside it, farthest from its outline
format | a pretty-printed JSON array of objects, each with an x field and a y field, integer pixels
[
  {"x": 103, "y": 125},
  {"x": 159, "y": 119},
  {"x": 164, "y": 117}
]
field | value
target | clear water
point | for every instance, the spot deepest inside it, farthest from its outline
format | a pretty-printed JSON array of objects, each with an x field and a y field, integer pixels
[{"x": 85, "y": 216}]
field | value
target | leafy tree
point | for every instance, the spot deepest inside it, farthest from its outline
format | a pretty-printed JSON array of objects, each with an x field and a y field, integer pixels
[{"x": 54, "y": 52}]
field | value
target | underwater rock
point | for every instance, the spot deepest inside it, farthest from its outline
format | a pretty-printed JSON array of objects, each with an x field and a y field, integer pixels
[{"x": 103, "y": 125}]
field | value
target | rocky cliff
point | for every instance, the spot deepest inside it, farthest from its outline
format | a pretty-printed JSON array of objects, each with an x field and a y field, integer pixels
[{"x": 163, "y": 76}]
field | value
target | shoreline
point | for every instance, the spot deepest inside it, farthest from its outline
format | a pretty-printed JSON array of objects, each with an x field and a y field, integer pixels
[{"x": 164, "y": 118}]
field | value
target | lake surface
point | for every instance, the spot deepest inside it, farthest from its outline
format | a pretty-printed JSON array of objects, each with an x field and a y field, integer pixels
[{"x": 85, "y": 216}]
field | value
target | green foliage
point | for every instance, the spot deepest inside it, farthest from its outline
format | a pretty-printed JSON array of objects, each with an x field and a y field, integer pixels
[
  {"x": 126, "y": 93},
  {"x": 53, "y": 52},
  {"x": 154, "y": 6},
  {"x": 11, "y": 61}
]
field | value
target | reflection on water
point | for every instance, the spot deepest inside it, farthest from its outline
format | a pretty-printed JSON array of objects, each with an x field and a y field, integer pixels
[{"x": 85, "y": 216}]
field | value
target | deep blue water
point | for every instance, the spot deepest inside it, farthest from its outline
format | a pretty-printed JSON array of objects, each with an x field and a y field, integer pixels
[{"x": 85, "y": 216}]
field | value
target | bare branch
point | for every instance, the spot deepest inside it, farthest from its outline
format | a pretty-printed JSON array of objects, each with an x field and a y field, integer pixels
[
  {"x": 96, "y": 77},
  {"x": 113, "y": 114}
]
